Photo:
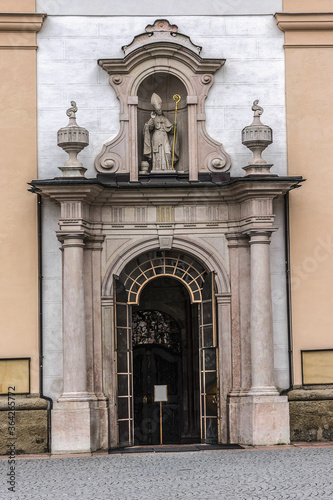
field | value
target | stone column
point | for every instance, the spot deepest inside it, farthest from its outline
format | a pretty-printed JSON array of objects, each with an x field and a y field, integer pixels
[
  {"x": 71, "y": 420},
  {"x": 263, "y": 413},
  {"x": 262, "y": 355},
  {"x": 238, "y": 244}
]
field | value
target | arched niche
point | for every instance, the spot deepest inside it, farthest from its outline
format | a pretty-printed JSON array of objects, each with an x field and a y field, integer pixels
[
  {"x": 165, "y": 85},
  {"x": 163, "y": 59}
]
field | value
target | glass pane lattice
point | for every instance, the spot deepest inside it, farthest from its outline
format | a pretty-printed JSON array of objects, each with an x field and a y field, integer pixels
[
  {"x": 167, "y": 263},
  {"x": 208, "y": 364}
]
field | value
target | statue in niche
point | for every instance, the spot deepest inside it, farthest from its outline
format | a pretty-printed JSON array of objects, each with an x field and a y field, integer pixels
[{"x": 160, "y": 142}]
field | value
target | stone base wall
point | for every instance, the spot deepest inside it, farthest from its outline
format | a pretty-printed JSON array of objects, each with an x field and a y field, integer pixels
[
  {"x": 311, "y": 415},
  {"x": 31, "y": 425}
]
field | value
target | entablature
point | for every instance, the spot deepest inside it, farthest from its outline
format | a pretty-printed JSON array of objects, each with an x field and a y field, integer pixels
[{"x": 236, "y": 205}]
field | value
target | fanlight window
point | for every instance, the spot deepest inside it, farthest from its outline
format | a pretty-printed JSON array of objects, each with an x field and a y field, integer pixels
[{"x": 174, "y": 264}]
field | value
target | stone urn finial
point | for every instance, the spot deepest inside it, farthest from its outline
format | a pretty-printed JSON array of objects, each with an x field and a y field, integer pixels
[
  {"x": 257, "y": 137},
  {"x": 73, "y": 139}
]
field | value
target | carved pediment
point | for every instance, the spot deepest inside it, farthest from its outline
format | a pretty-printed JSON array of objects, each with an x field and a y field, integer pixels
[{"x": 161, "y": 31}]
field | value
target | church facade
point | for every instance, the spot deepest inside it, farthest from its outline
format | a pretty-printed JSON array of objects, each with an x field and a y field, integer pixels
[{"x": 168, "y": 250}]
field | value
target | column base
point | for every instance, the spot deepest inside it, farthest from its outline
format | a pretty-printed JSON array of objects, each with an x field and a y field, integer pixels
[
  {"x": 263, "y": 391},
  {"x": 264, "y": 420},
  {"x": 100, "y": 424},
  {"x": 71, "y": 427},
  {"x": 233, "y": 414}
]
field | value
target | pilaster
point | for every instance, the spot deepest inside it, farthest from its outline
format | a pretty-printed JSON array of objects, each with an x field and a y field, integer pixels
[
  {"x": 99, "y": 408},
  {"x": 223, "y": 302},
  {"x": 109, "y": 366},
  {"x": 71, "y": 415},
  {"x": 239, "y": 252},
  {"x": 263, "y": 414}
]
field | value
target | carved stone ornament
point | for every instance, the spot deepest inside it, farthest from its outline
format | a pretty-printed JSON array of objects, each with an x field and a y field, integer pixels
[
  {"x": 72, "y": 139},
  {"x": 257, "y": 137},
  {"x": 164, "y": 62}
]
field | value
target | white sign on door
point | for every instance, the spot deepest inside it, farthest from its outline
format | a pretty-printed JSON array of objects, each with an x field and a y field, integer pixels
[{"x": 160, "y": 393}]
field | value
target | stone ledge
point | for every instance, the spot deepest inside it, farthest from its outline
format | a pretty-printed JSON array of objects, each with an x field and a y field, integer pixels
[
  {"x": 306, "y": 30},
  {"x": 312, "y": 21},
  {"x": 311, "y": 394}
]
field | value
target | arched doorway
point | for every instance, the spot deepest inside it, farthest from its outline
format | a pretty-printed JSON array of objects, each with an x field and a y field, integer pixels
[
  {"x": 165, "y": 351},
  {"x": 166, "y": 334}
]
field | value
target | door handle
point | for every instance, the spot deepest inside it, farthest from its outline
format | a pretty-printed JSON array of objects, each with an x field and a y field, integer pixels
[{"x": 144, "y": 400}]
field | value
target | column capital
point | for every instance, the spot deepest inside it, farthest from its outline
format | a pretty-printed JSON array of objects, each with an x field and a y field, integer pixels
[
  {"x": 237, "y": 240},
  {"x": 95, "y": 242},
  {"x": 72, "y": 239},
  {"x": 261, "y": 235}
]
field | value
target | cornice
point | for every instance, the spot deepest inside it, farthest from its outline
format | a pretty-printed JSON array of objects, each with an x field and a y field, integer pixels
[
  {"x": 312, "y": 29},
  {"x": 92, "y": 192},
  {"x": 310, "y": 21},
  {"x": 22, "y": 22},
  {"x": 161, "y": 50}
]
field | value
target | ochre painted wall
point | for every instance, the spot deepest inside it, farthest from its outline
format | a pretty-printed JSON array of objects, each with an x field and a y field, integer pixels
[
  {"x": 17, "y": 5},
  {"x": 309, "y": 94},
  {"x": 18, "y": 165},
  {"x": 307, "y": 5}
]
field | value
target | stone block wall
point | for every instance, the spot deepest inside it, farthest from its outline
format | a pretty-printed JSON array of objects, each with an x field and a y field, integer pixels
[
  {"x": 311, "y": 415},
  {"x": 31, "y": 425},
  {"x": 69, "y": 47}
]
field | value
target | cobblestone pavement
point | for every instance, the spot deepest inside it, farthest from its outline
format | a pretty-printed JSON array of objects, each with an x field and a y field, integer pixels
[{"x": 208, "y": 475}]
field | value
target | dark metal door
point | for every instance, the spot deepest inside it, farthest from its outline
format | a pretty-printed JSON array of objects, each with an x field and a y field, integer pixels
[
  {"x": 123, "y": 344},
  {"x": 155, "y": 365}
]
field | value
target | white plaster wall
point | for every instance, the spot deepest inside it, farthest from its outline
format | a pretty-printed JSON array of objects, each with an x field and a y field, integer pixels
[
  {"x": 52, "y": 302},
  {"x": 69, "y": 47},
  {"x": 158, "y": 7},
  {"x": 279, "y": 299}
]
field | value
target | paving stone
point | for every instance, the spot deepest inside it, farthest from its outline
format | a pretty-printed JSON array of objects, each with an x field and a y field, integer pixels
[{"x": 224, "y": 475}]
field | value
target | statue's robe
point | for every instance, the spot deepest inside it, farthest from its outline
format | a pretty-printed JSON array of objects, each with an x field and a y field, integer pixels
[{"x": 158, "y": 143}]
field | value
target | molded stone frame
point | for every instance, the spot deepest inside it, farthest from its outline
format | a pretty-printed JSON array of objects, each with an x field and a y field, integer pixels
[
  {"x": 250, "y": 409},
  {"x": 162, "y": 52}
]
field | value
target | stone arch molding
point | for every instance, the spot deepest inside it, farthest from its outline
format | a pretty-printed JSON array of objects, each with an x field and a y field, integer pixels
[
  {"x": 161, "y": 49},
  {"x": 202, "y": 255}
]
